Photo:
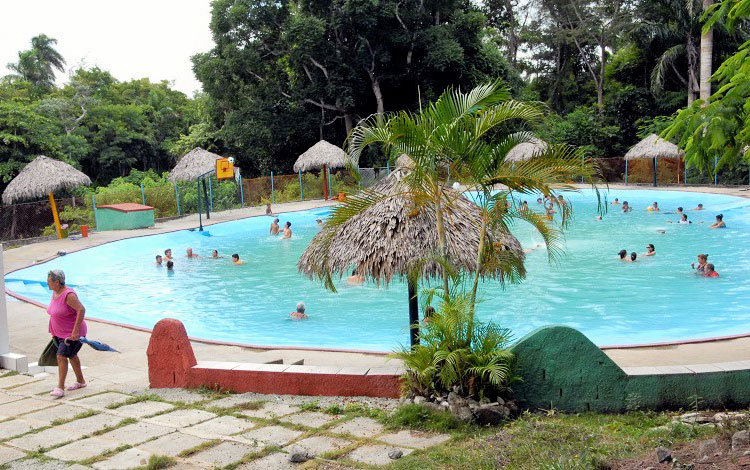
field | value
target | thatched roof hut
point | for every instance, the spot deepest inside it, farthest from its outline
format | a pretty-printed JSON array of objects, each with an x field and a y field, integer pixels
[
  {"x": 527, "y": 150},
  {"x": 193, "y": 164},
  {"x": 654, "y": 146},
  {"x": 387, "y": 239},
  {"x": 322, "y": 154},
  {"x": 404, "y": 161},
  {"x": 41, "y": 177}
]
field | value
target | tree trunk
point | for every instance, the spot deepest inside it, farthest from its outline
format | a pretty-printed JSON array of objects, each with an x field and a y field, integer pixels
[
  {"x": 348, "y": 123},
  {"x": 413, "y": 314},
  {"x": 512, "y": 34},
  {"x": 692, "y": 78},
  {"x": 707, "y": 47},
  {"x": 475, "y": 284},
  {"x": 441, "y": 239},
  {"x": 378, "y": 93},
  {"x": 600, "y": 81}
]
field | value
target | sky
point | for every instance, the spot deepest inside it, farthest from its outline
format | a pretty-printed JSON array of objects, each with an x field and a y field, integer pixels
[{"x": 131, "y": 39}]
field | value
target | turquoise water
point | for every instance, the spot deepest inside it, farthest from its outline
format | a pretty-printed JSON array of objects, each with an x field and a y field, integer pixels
[{"x": 655, "y": 299}]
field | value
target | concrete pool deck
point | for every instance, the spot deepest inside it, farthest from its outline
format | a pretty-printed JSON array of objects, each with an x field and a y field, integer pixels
[{"x": 28, "y": 323}]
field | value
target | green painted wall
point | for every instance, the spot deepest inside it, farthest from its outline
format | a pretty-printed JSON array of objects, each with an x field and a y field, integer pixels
[
  {"x": 110, "y": 219},
  {"x": 563, "y": 369}
]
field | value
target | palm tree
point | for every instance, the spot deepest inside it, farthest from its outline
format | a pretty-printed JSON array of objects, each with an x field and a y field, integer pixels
[
  {"x": 48, "y": 57},
  {"x": 467, "y": 136},
  {"x": 37, "y": 65}
]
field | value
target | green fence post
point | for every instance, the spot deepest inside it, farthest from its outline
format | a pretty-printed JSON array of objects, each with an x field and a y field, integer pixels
[
  {"x": 273, "y": 197},
  {"x": 143, "y": 195},
  {"x": 242, "y": 193},
  {"x": 210, "y": 195},
  {"x": 626, "y": 172},
  {"x": 299, "y": 173},
  {"x": 93, "y": 204},
  {"x": 388, "y": 167},
  {"x": 177, "y": 199},
  {"x": 330, "y": 183}
]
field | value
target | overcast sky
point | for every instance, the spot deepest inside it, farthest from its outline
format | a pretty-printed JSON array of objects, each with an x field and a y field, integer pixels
[{"x": 131, "y": 39}]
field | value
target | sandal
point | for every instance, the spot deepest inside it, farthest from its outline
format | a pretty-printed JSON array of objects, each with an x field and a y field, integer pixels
[
  {"x": 76, "y": 386},
  {"x": 57, "y": 393}
]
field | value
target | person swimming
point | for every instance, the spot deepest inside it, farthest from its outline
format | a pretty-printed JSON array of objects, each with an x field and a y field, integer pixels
[
  {"x": 158, "y": 260},
  {"x": 168, "y": 254},
  {"x": 190, "y": 253},
  {"x": 710, "y": 271},
  {"x": 274, "y": 227},
  {"x": 429, "y": 311},
  {"x": 653, "y": 207},
  {"x": 616, "y": 202},
  {"x": 287, "y": 230},
  {"x": 633, "y": 256},
  {"x": 236, "y": 259},
  {"x": 650, "y": 250},
  {"x": 702, "y": 260},
  {"x": 684, "y": 220},
  {"x": 215, "y": 254},
  {"x": 679, "y": 210},
  {"x": 170, "y": 265},
  {"x": 539, "y": 200},
  {"x": 626, "y": 207},
  {"x": 623, "y": 255},
  {"x": 320, "y": 223},
  {"x": 699, "y": 208},
  {"x": 719, "y": 222},
  {"x": 355, "y": 279},
  {"x": 524, "y": 206},
  {"x": 299, "y": 314}
]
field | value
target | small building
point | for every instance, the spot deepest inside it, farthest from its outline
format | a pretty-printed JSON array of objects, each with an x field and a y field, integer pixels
[{"x": 125, "y": 216}]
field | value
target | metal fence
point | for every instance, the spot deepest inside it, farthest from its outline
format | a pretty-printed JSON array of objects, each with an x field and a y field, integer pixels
[
  {"x": 670, "y": 171},
  {"x": 33, "y": 219}
]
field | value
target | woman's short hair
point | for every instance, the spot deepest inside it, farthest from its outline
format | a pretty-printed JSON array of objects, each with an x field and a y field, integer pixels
[
  {"x": 710, "y": 267},
  {"x": 301, "y": 307},
  {"x": 57, "y": 275}
]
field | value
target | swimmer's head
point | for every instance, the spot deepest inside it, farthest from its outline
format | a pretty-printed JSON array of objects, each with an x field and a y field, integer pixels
[
  {"x": 235, "y": 257},
  {"x": 617, "y": 200},
  {"x": 703, "y": 257},
  {"x": 700, "y": 206},
  {"x": 624, "y": 203},
  {"x": 214, "y": 253},
  {"x": 276, "y": 220},
  {"x": 623, "y": 254},
  {"x": 633, "y": 256},
  {"x": 429, "y": 311},
  {"x": 301, "y": 307},
  {"x": 190, "y": 252},
  {"x": 679, "y": 209},
  {"x": 720, "y": 217},
  {"x": 656, "y": 204},
  {"x": 158, "y": 259},
  {"x": 598, "y": 217},
  {"x": 709, "y": 267},
  {"x": 319, "y": 221},
  {"x": 650, "y": 247},
  {"x": 288, "y": 224},
  {"x": 170, "y": 265},
  {"x": 168, "y": 252},
  {"x": 684, "y": 216}
]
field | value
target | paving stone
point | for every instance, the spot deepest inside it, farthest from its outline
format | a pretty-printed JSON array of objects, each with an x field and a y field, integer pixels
[
  {"x": 12, "y": 381},
  {"x": 312, "y": 419},
  {"x": 359, "y": 427},
  {"x": 47, "y": 464},
  {"x": 175, "y": 394},
  {"x": 8, "y": 455},
  {"x": 415, "y": 439},
  {"x": 83, "y": 449},
  {"x": 143, "y": 408},
  {"x": 233, "y": 400},
  {"x": 5, "y": 397},
  {"x": 15, "y": 427},
  {"x": 223, "y": 454},
  {"x": 317, "y": 445},
  {"x": 172, "y": 444},
  {"x": 275, "y": 461},
  {"x": 134, "y": 434},
  {"x": 46, "y": 416},
  {"x": 272, "y": 435},
  {"x": 375, "y": 454},
  {"x": 222, "y": 426},
  {"x": 25, "y": 405},
  {"x": 129, "y": 458},
  {"x": 182, "y": 418},
  {"x": 271, "y": 410},
  {"x": 34, "y": 388},
  {"x": 102, "y": 400},
  {"x": 63, "y": 433}
]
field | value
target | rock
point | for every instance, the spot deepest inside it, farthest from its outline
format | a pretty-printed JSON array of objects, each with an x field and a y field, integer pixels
[
  {"x": 740, "y": 439},
  {"x": 747, "y": 452},
  {"x": 663, "y": 455},
  {"x": 462, "y": 413},
  {"x": 453, "y": 398},
  {"x": 708, "y": 447},
  {"x": 489, "y": 415},
  {"x": 472, "y": 402},
  {"x": 500, "y": 401},
  {"x": 395, "y": 454},
  {"x": 506, "y": 411},
  {"x": 689, "y": 416},
  {"x": 444, "y": 404},
  {"x": 299, "y": 455},
  {"x": 418, "y": 400},
  {"x": 433, "y": 406},
  {"x": 484, "y": 401},
  {"x": 512, "y": 407},
  {"x": 456, "y": 389}
]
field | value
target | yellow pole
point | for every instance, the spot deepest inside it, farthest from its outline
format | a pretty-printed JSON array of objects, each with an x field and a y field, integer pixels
[{"x": 54, "y": 215}]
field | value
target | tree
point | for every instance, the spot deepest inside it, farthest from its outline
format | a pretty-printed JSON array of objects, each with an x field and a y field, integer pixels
[
  {"x": 38, "y": 64},
  {"x": 707, "y": 49}
]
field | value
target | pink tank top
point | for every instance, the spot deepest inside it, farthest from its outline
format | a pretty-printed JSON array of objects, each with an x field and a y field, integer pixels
[{"x": 62, "y": 317}]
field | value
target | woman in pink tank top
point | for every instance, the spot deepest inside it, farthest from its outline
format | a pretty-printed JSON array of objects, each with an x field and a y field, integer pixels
[{"x": 66, "y": 325}]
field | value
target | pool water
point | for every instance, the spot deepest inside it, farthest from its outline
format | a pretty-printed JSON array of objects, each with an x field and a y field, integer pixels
[{"x": 655, "y": 299}]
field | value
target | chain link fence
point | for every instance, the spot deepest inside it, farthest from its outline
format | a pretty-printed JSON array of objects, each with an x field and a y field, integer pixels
[{"x": 670, "y": 171}]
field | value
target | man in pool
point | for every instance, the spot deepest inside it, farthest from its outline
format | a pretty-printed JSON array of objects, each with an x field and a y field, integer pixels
[
  {"x": 168, "y": 254},
  {"x": 616, "y": 202},
  {"x": 236, "y": 259},
  {"x": 274, "y": 227},
  {"x": 710, "y": 272},
  {"x": 170, "y": 265},
  {"x": 158, "y": 260},
  {"x": 719, "y": 222},
  {"x": 539, "y": 200},
  {"x": 287, "y": 230},
  {"x": 699, "y": 208},
  {"x": 190, "y": 253},
  {"x": 623, "y": 254},
  {"x": 215, "y": 254},
  {"x": 299, "y": 314},
  {"x": 355, "y": 279},
  {"x": 653, "y": 207},
  {"x": 626, "y": 207},
  {"x": 633, "y": 256},
  {"x": 650, "y": 250},
  {"x": 679, "y": 210}
]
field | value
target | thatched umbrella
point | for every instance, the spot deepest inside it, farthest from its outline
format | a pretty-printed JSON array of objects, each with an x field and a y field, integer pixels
[
  {"x": 404, "y": 161},
  {"x": 194, "y": 164},
  {"x": 322, "y": 155},
  {"x": 653, "y": 147},
  {"x": 526, "y": 150},
  {"x": 43, "y": 176},
  {"x": 390, "y": 238}
]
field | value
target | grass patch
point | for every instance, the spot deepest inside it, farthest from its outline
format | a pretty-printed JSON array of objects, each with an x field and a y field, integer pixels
[
  {"x": 253, "y": 455},
  {"x": 134, "y": 400},
  {"x": 212, "y": 393},
  {"x": 419, "y": 417},
  {"x": 81, "y": 415},
  {"x": 199, "y": 448},
  {"x": 157, "y": 462},
  {"x": 105, "y": 455},
  {"x": 309, "y": 406},
  {"x": 251, "y": 405},
  {"x": 107, "y": 429},
  {"x": 9, "y": 374}
]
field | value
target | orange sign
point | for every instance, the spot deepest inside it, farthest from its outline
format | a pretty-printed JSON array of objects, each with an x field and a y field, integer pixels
[{"x": 224, "y": 169}]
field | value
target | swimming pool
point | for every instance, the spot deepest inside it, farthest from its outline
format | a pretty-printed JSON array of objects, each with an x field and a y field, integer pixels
[{"x": 654, "y": 299}]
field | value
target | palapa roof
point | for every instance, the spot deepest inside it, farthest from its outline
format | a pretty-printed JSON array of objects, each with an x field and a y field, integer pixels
[
  {"x": 404, "y": 161},
  {"x": 42, "y": 176},
  {"x": 654, "y": 146},
  {"x": 390, "y": 237},
  {"x": 322, "y": 153},
  {"x": 193, "y": 164},
  {"x": 526, "y": 150}
]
